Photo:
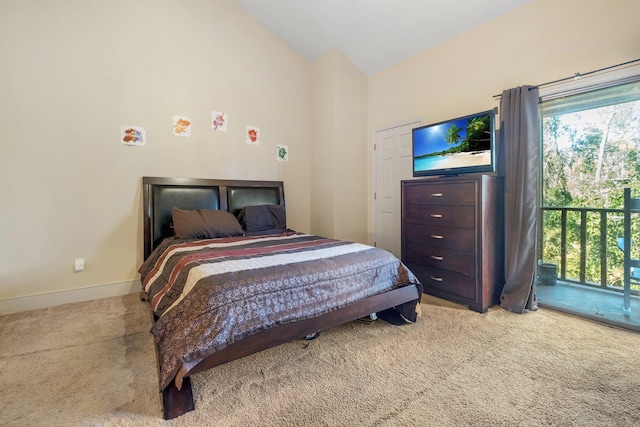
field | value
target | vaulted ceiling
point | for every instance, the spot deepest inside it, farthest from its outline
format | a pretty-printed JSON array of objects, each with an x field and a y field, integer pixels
[{"x": 373, "y": 34}]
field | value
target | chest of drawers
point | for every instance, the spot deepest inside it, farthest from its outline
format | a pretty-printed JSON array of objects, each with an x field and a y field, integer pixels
[{"x": 452, "y": 237}]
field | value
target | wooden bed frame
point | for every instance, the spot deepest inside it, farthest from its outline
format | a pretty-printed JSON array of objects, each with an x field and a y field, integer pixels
[{"x": 160, "y": 195}]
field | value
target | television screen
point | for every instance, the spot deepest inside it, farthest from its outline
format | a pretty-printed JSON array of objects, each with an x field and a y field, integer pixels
[{"x": 462, "y": 145}]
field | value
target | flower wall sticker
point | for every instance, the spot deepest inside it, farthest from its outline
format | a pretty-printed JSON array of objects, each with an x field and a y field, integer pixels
[
  {"x": 253, "y": 135},
  {"x": 182, "y": 126},
  {"x": 133, "y": 135},
  {"x": 219, "y": 121},
  {"x": 282, "y": 153}
]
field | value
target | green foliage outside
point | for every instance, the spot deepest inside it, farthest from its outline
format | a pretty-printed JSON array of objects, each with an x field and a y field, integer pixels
[{"x": 589, "y": 156}]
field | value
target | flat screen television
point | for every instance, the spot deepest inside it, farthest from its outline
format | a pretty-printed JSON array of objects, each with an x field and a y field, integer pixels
[{"x": 457, "y": 146}]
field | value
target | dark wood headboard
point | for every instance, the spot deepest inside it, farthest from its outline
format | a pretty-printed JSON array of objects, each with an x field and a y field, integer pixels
[{"x": 160, "y": 195}]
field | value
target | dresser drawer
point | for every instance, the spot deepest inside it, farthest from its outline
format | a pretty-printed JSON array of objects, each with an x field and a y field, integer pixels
[
  {"x": 461, "y": 239},
  {"x": 444, "y": 281},
  {"x": 442, "y": 258},
  {"x": 448, "y": 216},
  {"x": 453, "y": 193}
]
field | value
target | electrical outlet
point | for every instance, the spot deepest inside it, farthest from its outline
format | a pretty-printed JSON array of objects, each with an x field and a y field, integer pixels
[{"x": 78, "y": 264}]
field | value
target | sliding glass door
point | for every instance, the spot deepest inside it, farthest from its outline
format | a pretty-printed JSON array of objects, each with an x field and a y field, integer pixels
[{"x": 590, "y": 154}]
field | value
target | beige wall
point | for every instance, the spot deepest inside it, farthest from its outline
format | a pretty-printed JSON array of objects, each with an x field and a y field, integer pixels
[
  {"x": 338, "y": 144},
  {"x": 543, "y": 41},
  {"x": 73, "y": 71}
]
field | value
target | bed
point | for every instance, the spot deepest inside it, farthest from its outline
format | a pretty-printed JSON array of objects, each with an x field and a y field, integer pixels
[{"x": 223, "y": 293}]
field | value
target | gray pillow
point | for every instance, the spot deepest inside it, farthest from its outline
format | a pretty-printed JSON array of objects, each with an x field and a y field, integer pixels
[
  {"x": 205, "y": 224},
  {"x": 263, "y": 219}
]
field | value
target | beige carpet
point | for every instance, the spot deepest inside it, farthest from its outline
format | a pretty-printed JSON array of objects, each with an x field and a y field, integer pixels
[{"x": 93, "y": 363}]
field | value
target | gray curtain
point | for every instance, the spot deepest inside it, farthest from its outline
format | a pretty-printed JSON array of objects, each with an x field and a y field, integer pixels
[{"x": 518, "y": 164}]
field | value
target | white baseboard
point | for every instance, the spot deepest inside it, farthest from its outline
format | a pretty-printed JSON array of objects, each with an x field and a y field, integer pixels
[{"x": 50, "y": 299}]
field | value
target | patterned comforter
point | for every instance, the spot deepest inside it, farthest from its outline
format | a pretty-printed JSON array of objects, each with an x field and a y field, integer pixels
[{"x": 211, "y": 293}]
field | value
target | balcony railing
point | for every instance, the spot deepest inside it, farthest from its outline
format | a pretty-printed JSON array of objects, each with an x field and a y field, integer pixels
[{"x": 576, "y": 238}]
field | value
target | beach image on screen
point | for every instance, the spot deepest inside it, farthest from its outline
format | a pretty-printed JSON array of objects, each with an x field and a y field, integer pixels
[{"x": 460, "y": 143}]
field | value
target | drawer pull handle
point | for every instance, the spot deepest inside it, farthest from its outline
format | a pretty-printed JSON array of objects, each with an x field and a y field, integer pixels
[
  {"x": 437, "y": 279},
  {"x": 436, "y": 194},
  {"x": 436, "y": 236},
  {"x": 437, "y": 258},
  {"x": 436, "y": 215}
]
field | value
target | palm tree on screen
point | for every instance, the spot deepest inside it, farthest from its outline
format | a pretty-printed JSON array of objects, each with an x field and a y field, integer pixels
[{"x": 453, "y": 134}]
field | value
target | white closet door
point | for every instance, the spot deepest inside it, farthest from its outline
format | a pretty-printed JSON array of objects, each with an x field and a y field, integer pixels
[{"x": 392, "y": 163}]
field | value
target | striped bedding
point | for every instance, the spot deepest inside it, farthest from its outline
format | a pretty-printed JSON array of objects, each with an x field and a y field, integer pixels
[{"x": 211, "y": 293}]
